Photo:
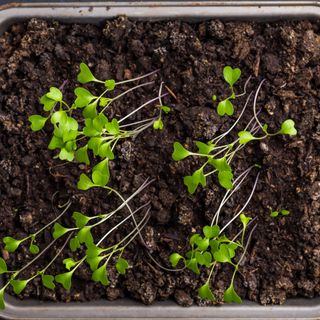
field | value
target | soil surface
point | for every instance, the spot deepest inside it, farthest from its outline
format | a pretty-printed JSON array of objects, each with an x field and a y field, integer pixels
[{"x": 283, "y": 258}]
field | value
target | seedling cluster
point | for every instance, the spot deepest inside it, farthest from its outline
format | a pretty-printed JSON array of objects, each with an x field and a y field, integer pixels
[
  {"x": 218, "y": 156},
  {"x": 80, "y": 235},
  {"x": 93, "y": 131}
]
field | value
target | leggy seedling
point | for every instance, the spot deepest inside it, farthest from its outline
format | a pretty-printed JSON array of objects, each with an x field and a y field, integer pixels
[
  {"x": 98, "y": 133},
  {"x": 218, "y": 156}
]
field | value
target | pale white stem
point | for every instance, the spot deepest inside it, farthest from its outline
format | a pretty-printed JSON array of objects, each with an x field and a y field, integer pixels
[
  {"x": 244, "y": 89},
  {"x": 138, "y": 78},
  {"x": 255, "y": 103}
]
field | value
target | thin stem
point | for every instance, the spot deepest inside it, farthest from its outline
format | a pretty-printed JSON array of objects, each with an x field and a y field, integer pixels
[
  {"x": 138, "y": 78},
  {"x": 255, "y": 103},
  {"x": 244, "y": 89},
  {"x": 246, "y": 247},
  {"x": 138, "y": 122},
  {"x": 245, "y": 205}
]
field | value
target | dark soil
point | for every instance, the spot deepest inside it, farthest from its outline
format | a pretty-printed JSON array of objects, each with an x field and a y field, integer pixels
[{"x": 283, "y": 259}]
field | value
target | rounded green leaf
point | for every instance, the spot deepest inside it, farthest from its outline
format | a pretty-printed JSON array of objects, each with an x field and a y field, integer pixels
[
  {"x": 69, "y": 263},
  {"x": 245, "y": 220},
  {"x": 11, "y": 244},
  {"x": 37, "y": 122},
  {"x": 230, "y": 295},
  {"x": 231, "y": 75},
  {"x": 64, "y": 154},
  {"x": 85, "y": 236},
  {"x": 34, "y": 249},
  {"x": 211, "y": 232},
  {"x": 179, "y": 152},
  {"x": 287, "y": 127},
  {"x": 82, "y": 155},
  {"x": 84, "y": 97},
  {"x": 205, "y": 148},
  {"x": 85, "y": 75},
  {"x": 193, "y": 181},
  {"x": 225, "y": 179},
  {"x": 3, "y": 266},
  {"x": 225, "y": 107},
  {"x": 65, "y": 279},
  {"x": 194, "y": 238},
  {"x": 93, "y": 250},
  {"x": 122, "y": 265},
  {"x": 205, "y": 292},
  {"x": 202, "y": 243},
  {"x": 284, "y": 212},
  {"x": 59, "y": 230},
  {"x": 274, "y": 214},
  {"x": 48, "y": 103},
  {"x": 84, "y": 182},
  {"x": 110, "y": 84},
  {"x": 158, "y": 124},
  {"x": 19, "y": 285},
  {"x": 54, "y": 94},
  {"x": 113, "y": 127},
  {"x": 80, "y": 219},
  {"x": 165, "y": 109},
  {"x": 175, "y": 258},
  {"x": 74, "y": 244},
  {"x": 245, "y": 137},
  {"x": 192, "y": 264},
  {"x": 55, "y": 143},
  {"x": 100, "y": 275},
  {"x": 59, "y": 117},
  {"x": 48, "y": 281},
  {"x": 94, "y": 262}
]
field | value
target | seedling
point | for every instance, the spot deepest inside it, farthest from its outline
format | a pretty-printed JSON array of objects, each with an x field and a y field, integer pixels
[
  {"x": 283, "y": 212},
  {"x": 80, "y": 235},
  {"x": 94, "y": 132},
  {"x": 218, "y": 157},
  {"x": 231, "y": 76}
]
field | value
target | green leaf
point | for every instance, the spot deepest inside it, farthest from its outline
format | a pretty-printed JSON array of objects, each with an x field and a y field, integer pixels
[
  {"x": 225, "y": 107},
  {"x": 158, "y": 124},
  {"x": 19, "y": 285},
  {"x": 110, "y": 84},
  {"x": 70, "y": 146},
  {"x": 204, "y": 259},
  {"x": 205, "y": 292},
  {"x": 284, "y": 212},
  {"x": 3, "y": 266},
  {"x": 74, "y": 244},
  {"x": 222, "y": 255},
  {"x": 2, "y": 303},
  {"x": 90, "y": 111},
  {"x": 85, "y": 236},
  {"x": 202, "y": 243},
  {"x": 274, "y": 214},
  {"x": 104, "y": 151},
  {"x": 245, "y": 137},
  {"x": 245, "y": 220},
  {"x": 64, "y": 154},
  {"x": 100, "y": 173},
  {"x": 220, "y": 164},
  {"x": 122, "y": 265},
  {"x": 192, "y": 264},
  {"x": 193, "y": 181},
  {"x": 69, "y": 263},
  {"x": 60, "y": 117},
  {"x": 214, "y": 245},
  {"x": 65, "y": 279},
  {"x": 225, "y": 179},
  {"x": 194, "y": 238},
  {"x": 211, "y": 232},
  {"x": 47, "y": 281},
  {"x": 205, "y": 148},
  {"x": 84, "y": 182},
  {"x": 179, "y": 152},
  {"x": 113, "y": 127},
  {"x": 82, "y": 155},
  {"x": 175, "y": 258},
  {"x": 69, "y": 135},
  {"x": 100, "y": 275},
  {"x": 85, "y": 74},
  {"x": 55, "y": 143},
  {"x": 59, "y": 230},
  {"x": 214, "y": 98},
  {"x": 11, "y": 244},
  {"x": 54, "y": 94},
  {"x": 99, "y": 122},
  {"x": 34, "y": 249},
  {"x": 230, "y": 295},
  {"x": 165, "y": 109},
  {"x": 231, "y": 75},
  {"x": 94, "y": 262},
  {"x": 37, "y": 122},
  {"x": 93, "y": 250},
  {"x": 104, "y": 101},
  {"x": 48, "y": 103},
  {"x": 287, "y": 127},
  {"x": 80, "y": 219},
  {"x": 84, "y": 97}
]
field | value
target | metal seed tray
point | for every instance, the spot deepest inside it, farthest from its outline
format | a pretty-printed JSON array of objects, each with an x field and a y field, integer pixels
[{"x": 95, "y": 12}]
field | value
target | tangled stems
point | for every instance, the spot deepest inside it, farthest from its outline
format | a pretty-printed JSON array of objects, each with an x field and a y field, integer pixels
[
  {"x": 98, "y": 134},
  {"x": 218, "y": 157}
]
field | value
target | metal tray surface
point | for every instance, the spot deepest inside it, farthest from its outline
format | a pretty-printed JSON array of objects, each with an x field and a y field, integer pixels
[{"x": 96, "y": 12}]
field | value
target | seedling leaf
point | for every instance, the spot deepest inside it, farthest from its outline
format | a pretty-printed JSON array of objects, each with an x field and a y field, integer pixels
[
  {"x": 65, "y": 279},
  {"x": 37, "y": 122},
  {"x": 225, "y": 107},
  {"x": 231, "y": 75},
  {"x": 85, "y": 74},
  {"x": 192, "y": 264},
  {"x": 230, "y": 295},
  {"x": 122, "y": 265},
  {"x": 82, "y": 155},
  {"x": 85, "y": 236},
  {"x": 47, "y": 281},
  {"x": 100, "y": 275},
  {"x": 3, "y": 266},
  {"x": 74, "y": 244},
  {"x": 158, "y": 124},
  {"x": 287, "y": 127},
  {"x": 80, "y": 219},
  {"x": 225, "y": 179},
  {"x": 245, "y": 137},
  {"x": 84, "y": 182},
  {"x": 54, "y": 94},
  {"x": 11, "y": 244},
  {"x": 59, "y": 230},
  {"x": 110, "y": 84},
  {"x": 193, "y": 181},
  {"x": 2, "y": 303},
  {"x": 19, "y": 285},
  {"x": 211, "y": 232},
  {"x": 205, "y": 292},
  {"x": 179, "y": 152},
  {"x": 34, "y": 249},
  {"x": 175, "y": 258},
  {"x": 69, "y": 263}
]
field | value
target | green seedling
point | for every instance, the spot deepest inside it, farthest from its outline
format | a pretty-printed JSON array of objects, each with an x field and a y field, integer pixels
[
  {"x": 209, "y": 249},
  {"x": 218, "y": 157},
  {"x": 231, "y": 76},
  {"x": 283, "y": 212},
  {"x": 82, "y": 127}
]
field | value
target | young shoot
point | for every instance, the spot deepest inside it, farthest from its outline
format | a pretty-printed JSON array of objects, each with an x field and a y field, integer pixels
[
  {"x": 282, "y": 212},
  {"x": 218, "y": 156},
  {"x": 83, "y": 126},
  {"x": 231, "y": 76}
]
